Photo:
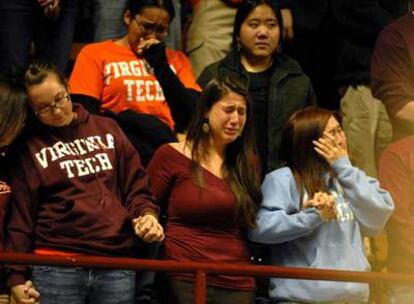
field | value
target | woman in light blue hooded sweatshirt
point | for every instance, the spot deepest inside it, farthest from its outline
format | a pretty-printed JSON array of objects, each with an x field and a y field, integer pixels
[{"x": 317, "y": 208}]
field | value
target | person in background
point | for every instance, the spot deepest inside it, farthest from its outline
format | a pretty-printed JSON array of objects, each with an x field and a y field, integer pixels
[
  {"x": 12, "y": 118},
  {"x": 137, "y": 72},
  {"x": 365, "y": 119},
  {"x": 396, "y": 175},
  {"x": 81, "y": 190},
  {"x": 209, "y": 187},
  {"x": 392, "y": 82},
  {"x": 275, "y": 82},
  {"x": 316, "y": 208},
  {"x": 107, "y": 23},
  {"x": 210, "y": 31},
  {"x": 47, "y": 25},
  {"x": 392, "y": 73}
]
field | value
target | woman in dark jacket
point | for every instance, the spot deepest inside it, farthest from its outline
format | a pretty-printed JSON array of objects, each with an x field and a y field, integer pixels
[{"x": 276, "y": 83}]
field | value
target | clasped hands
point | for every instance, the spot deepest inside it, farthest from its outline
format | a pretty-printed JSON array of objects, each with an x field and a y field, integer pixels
[
  {"x": 24, "y": 294},
  {"x": 324, "y": 203},
  {"x": 148, "y": 228},
  {"x": 4, "y": 188}
]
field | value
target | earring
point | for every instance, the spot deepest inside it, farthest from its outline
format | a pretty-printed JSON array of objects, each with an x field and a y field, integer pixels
[
  {"x": 205, "y": 126},
  {"x": 238, "y": 45}
]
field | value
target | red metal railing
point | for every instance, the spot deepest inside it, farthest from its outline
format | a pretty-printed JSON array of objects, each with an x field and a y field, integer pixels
[{"x": 201, "y": 270}]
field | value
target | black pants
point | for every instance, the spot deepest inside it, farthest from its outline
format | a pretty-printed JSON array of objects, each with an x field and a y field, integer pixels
[{"x": 183, "y": 293}]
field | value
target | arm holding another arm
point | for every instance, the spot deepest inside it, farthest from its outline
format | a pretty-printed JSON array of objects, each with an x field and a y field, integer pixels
[
  {"x": 279, "y": 218},
  {"x": 133, "y": 180}
]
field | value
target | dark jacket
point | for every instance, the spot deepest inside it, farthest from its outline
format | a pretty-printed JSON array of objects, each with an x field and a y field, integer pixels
[
  {"x": 76, "y": 188},
  {"x": 289, "y": 90},
  {"x": 359, "y": 24}
]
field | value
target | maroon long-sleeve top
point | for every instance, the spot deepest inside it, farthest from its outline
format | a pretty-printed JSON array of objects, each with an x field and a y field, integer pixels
[{"x": 201, "y": 223}]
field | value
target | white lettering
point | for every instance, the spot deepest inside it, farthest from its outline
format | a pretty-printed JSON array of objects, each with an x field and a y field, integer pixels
[
  {"x": 129, "y": 84},
  {"x": 104, "y": 161},
  {"x": 124, "y": 68},
  {"x": 135, "y": 68},
  {"x": 81, "y": 167},
  {"x": 67, "y": 165},
  {"x": 42, "y": 158}
]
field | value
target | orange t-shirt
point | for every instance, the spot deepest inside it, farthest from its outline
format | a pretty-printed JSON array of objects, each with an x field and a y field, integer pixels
[{"x": 113, "y": 74}]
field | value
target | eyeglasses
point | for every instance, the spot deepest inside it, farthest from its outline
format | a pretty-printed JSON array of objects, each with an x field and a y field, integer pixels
[
  {"x": 159, "y": 30},
  {"x": 59, "y": 103},
  {"x": 336, "y": 131}
]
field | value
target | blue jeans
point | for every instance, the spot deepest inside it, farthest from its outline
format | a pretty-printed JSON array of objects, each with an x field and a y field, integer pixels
[
  {"x": 82, "y": 285},
  {"x": 107, "y": 18}
]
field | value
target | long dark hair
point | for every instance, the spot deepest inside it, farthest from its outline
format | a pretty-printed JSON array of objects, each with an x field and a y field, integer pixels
[
  {"x": 297, "y": 150},
  {"x": 240, "y": 159},
  {"x": 136, "y": 6},
  {"x": 13, "y": 106},
  {"x": 244, "y": 11}
]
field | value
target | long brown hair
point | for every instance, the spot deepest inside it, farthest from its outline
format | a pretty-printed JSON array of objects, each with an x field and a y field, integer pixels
[
  {"x": 297, "y": 150},
  {"x": 241, "y": 171},
  {"x": 12, "y": 105}
]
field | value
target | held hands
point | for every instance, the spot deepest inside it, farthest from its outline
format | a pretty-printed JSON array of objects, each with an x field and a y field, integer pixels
[
  {"x": 24, "y": 294},
  {"x": 324, "y": 204},
  {"x": 148, "y": 228},
  {"x": 4, "y": 188},
  {"x": 329, "y": 148}
]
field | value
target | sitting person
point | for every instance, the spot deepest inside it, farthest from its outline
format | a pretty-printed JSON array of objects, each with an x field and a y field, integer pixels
[
  {"x": 81, "y": 190},
  {"x": 316, "y": 209},
  {"x": 137, "y": 75}
]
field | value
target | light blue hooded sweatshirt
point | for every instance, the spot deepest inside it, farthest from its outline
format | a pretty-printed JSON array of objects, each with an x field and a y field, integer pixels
[{"x": 300, "y": 238}]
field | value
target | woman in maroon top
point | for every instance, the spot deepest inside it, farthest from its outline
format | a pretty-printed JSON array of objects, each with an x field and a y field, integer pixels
[
  {"x": 210, "y": 187},
  {"x": 12, "y": 117}
]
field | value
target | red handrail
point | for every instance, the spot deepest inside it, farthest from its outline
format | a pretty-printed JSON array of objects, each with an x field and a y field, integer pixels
[{"x": 201, "y": 270}]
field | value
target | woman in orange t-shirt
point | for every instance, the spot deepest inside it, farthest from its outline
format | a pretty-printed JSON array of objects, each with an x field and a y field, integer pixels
[{"x": 136, "y": 72}]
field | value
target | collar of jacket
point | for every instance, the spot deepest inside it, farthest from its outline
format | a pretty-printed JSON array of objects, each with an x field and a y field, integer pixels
[{"x": 283, "y": 66}]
